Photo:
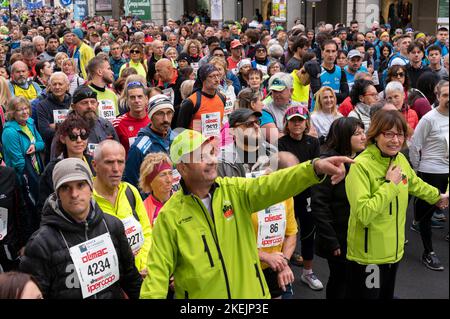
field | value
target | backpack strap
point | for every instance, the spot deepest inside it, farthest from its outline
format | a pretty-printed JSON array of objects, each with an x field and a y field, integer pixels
[
  {"x": 198, "y": 101},
  {"x": 223, "y": 98},
  {"x": 132, "y": 200}
]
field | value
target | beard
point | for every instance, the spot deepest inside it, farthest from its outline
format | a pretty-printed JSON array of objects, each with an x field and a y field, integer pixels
[
  {"x": 90, "y": 117},
  {"x": 21, "y": 81},
  {"x": 108, "y": 80}
]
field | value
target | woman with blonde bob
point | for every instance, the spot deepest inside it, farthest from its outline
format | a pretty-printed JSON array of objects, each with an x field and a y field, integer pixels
[
  {"x": 156, "y": 179},
  {"x": 325, "y": 112},
  {"x": 193, "y": 48},
  {"x": 137, "y": 60}
]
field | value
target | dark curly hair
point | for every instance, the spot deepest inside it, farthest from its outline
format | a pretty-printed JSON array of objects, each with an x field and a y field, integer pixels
[{"x": 72, "y": 121}]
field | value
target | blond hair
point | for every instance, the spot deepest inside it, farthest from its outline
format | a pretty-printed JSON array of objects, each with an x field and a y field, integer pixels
[
  {"x": 72, "y": 62},
  {"x": 318, "y": 97},
  {"x": 196, "y": 43},
  {"x": 14, "y": 103},
  {"x": 5, "y": 93},
  {"x": 147, "y": 166}
]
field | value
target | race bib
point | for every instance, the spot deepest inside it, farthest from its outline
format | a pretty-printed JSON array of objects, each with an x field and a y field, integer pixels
[
  {"x": 170, "y": 94},
  {"x": 375, "y": 79},
  {"x": 96, "y": 264},
  {"x": 106, "y": 109},
  {"x": 195, "y": 66},
  {"x": 211, "y": 124},
  {"x": 263, "y": 68},
  {"x": 364, "y": 64},
  {"x": 131, "y": 140},
  {"x": 229, "y": 102},
  {"x": 135, "y": 236},
  {"x": 3, "y": 222},
  {"x": 271, "y": 226},
  {"x": 176, "y": 180},
  {"x": 91, "y": 148},
  {"x": 59, "y": 116}
]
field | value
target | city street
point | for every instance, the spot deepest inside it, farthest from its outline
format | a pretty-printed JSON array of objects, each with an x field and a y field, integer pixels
[{"x": 414, "y": 280}]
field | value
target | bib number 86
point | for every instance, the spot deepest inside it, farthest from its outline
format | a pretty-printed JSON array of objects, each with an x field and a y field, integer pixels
[{"x": 274, "y": 228}]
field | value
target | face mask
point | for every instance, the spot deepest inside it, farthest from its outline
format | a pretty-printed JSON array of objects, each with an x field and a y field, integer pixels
[{"x": 106, "y": 49}]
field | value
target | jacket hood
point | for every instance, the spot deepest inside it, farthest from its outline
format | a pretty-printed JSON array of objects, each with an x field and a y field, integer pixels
[
  {"x": 15, "y": 126},
  {"x": 53, "y": 215}
]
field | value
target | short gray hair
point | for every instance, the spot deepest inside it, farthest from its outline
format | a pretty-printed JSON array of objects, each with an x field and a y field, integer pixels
[
  {"x": 276, "y": 50},
  {"x": 393, "y": 86},
  {"x": 38, "y": 38},
  {"x": 439, "y": 86},
  {"x": 56, "y": 74},
  {"x": 98, "y": 152}
]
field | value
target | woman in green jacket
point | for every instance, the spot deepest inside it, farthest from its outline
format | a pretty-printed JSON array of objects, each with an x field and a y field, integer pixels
[{"x": 377, "y": 188}]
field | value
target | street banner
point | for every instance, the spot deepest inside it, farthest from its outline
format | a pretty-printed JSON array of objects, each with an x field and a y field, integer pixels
[
  {"x": 138, "y": 8},
  {"x": 80, "y": 9}
]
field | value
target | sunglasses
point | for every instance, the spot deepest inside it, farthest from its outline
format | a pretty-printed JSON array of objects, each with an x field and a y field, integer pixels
[
  {"x": 399, "y": 74},
  {"x": 250, "y": 124},
  {"x": 297, "y": 110},
  {"x": 135, "y": 51},
  {"x": 135, "y": 83},
  {"x": 74, "y": 137}
]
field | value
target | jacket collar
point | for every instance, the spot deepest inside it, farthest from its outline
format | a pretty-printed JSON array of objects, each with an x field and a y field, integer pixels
[{"x": 187, "y": 192}]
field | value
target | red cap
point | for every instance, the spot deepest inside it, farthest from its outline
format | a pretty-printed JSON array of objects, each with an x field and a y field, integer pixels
[{"x": 235, "y": 44}]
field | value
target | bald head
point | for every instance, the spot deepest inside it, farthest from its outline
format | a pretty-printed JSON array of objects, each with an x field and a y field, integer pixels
[
  {"x": 158, "y": 48},
  {"x": 164, "y": 68}
]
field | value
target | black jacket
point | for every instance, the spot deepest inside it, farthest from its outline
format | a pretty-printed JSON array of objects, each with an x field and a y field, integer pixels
[
  {"x": 306, "y": 149},
  {"x": 331, "y": 211},
  {"x": 10, "y": 199},
  {"x": 48, "y": 259},
  {"x": 44, "y": 111}
]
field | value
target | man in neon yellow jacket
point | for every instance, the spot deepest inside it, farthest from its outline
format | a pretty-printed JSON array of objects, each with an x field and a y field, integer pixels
[
  {"x": 204, "y": 235},
  {"x": 121, "y": 199}
]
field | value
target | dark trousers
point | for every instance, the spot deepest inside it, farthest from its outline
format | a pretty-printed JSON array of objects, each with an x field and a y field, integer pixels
[
  {"x": 337, "y": 281},
  {"x": 424, "y": 211},
  {"x": 361, "y": 279},
  {"x": 307, "y": 229}
]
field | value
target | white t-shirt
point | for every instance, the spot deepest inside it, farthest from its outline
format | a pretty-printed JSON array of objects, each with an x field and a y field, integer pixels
[
  {"x": 322, "y": 122},
  {"x": 431, "y": 140}
]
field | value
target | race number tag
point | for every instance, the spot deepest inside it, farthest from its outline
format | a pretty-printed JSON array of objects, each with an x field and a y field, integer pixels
[
  {"x": 195, "y": 66},
  {"x": 131, "y": 140},
  {"x": 135, "y": 236},
  {"x": 263, "y": 68},
  {"x": 59, "y": 116},
  {"x": 91, "y": 148},
  {"x": 271, "y": 226},
  {"x": 211, "y": 124},
  {"x": 96, "y": 264},
  {"x": 375, "y": 79},
  {"x": 106, "y": 109},
  {"x": 3, "y": 222},
  {"x": 230, "y": 99},
  {"x": 170, "y": 94},
  {"x": 364, "y": 64},
  {"x": 176, "y": 177}
]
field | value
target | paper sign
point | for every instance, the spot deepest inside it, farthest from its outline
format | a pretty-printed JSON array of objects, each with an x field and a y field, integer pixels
[{"x": 59, "y": 116}]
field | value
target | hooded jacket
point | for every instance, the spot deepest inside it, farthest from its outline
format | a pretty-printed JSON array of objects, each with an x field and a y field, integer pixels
[
  {"x": 48, "y": 259},
  {"x": 16, "y": 144},
  {"x": 376, "y": 227},
  {"x": 216, "y": 256}
]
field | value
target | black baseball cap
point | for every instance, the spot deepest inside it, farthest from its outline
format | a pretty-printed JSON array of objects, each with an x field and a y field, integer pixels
[
  {"x": 241, "y": 115},
  {"x": 83, "y": 92}
]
